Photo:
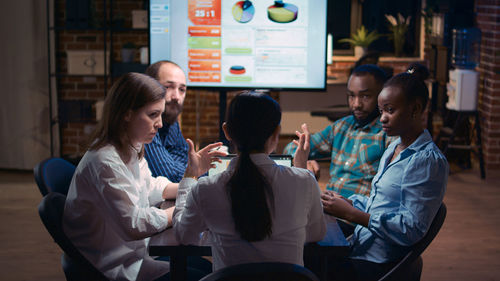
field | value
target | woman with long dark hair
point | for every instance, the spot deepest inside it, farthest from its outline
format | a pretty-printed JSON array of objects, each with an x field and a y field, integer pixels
[{"x": 255, "y": 210}]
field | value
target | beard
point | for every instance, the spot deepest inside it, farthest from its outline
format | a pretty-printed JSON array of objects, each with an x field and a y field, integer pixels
[
  {"x": 374, "y": 114},
  {"x": 172, "y": 111}
]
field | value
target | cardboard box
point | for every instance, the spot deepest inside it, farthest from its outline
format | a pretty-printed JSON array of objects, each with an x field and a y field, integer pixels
[
  {"x": 139, "y": 19},
  {"x": 87, "y": 62}
]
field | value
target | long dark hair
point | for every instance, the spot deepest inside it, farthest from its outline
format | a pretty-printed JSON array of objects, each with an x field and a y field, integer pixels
[
  {"x": 131, "y": 92},
  {"x": 251, "y": 119}
]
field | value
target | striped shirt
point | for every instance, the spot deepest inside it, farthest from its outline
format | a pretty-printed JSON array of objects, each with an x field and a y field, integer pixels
[
  {"x": 355, "y": 153},
  {"x": 167, "y": 153}
]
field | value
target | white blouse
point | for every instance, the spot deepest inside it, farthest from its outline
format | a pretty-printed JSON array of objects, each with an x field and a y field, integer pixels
[
  {"x": 297, "y": 218},
  {"x": 109, "y": 214}
]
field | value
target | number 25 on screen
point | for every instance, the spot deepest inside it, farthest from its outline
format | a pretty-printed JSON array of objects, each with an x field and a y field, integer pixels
[{"x": 203, "y": 13}]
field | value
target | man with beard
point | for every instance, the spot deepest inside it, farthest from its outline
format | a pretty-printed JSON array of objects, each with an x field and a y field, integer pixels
[
  {"x": 167, "y": 153},
  {"x": 356, "y": 142}
]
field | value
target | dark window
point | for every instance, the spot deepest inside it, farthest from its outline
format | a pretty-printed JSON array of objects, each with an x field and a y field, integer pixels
[
  {"x": 346, "y": 16},
  {"x": 339, "y": 22}
]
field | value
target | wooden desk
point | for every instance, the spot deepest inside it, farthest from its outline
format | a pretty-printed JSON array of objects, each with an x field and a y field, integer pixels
[{"x": 164, "y": 244}]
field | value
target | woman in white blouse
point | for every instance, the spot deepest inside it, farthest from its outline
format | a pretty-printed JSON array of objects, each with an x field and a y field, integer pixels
[
  {"x": 110, "y": 208},
  {"x": 256, "y": 210}
]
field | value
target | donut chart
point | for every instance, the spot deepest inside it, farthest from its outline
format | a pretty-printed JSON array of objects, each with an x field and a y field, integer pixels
[
  {"x": 243, "y": 11},
  {"x": 282, "y": 12},
  {"x": 237, "y": 70}
]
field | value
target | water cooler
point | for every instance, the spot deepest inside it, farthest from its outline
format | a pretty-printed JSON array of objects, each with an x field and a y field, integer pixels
[{"x": 462, "y": 89}]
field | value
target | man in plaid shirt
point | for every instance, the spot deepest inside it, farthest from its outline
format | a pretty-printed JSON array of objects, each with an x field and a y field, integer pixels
[{"x": 356, "y": 142}]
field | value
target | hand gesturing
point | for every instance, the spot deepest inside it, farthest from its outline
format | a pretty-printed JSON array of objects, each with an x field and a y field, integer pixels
[
  {"x": 200, "y": 162},
  {"x": 302, "y": 152}
]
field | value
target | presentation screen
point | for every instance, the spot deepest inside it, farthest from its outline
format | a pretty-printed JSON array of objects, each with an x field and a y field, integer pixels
[{"x": 235, "y": 44}]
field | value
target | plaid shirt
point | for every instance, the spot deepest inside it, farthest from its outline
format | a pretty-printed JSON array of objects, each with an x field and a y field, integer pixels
[
  {"x": 355, "y": 153},
  {"x": 167, "y": 153}
]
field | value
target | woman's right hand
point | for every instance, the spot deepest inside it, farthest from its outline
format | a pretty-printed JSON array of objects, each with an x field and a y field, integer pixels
[
  {"x": 302, "y": 151},
  {"x": 200, "y": 162}
]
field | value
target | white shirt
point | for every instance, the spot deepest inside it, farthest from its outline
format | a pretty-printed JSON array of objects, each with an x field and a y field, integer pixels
[
  {"x": 109, "y": 215},
  {"x": 297, "y": 219}
]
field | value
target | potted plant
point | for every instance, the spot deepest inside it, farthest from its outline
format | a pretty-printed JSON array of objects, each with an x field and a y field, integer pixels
[
  {"x": 128, "y": 52},
  {"x": 361, "y": 40},
  {"x": 398, "y": 27}
]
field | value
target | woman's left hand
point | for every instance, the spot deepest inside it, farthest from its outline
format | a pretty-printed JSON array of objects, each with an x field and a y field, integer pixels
[
  {"x": 200, "y": 162},
  {"x": 341, "y": 207},
  {"x": 335, "y": 204}
]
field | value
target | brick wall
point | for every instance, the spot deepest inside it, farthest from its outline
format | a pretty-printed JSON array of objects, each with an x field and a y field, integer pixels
[
  {"x": 200, "y": 117},
  {"x": 488, "y": 19},
  {"x": 74, "y": 134},
  {"x": 341, "y": 66}
]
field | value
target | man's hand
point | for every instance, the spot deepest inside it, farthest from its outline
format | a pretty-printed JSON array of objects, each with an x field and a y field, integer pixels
[
  {"x": 200, "y": 162},
  {"x": 302, "y": 152},
  {"x": 313, "y": 166}
]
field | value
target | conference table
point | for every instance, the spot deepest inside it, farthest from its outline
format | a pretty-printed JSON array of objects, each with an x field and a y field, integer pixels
[{"x": 333, "y": 245}]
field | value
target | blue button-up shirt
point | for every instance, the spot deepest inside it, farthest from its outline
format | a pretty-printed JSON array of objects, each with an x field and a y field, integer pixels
[
  {"x": 167, "y": 153},
  {"x": 406, "y": 195}
]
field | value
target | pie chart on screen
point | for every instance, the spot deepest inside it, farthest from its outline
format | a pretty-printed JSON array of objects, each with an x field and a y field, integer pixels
[
  {"x": 243, "y": 11},
  {"x": 282, "y": 12}
]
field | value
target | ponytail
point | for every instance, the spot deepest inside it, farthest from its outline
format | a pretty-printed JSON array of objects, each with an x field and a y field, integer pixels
[
  {"x": 252, "y": 200},
  {"x": 251, "y": 119}
]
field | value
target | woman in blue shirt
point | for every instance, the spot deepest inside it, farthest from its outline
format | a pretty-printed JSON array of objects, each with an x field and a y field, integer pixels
[{"x": 406, "y": 191}]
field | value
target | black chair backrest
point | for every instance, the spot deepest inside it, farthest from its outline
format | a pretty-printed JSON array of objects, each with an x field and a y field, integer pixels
[
  {"x": 413, "y": 256},
  {"x": 265, "y": 271},
  {"x": 54, "y": 175},
  {"x": 51, "y": 211}
]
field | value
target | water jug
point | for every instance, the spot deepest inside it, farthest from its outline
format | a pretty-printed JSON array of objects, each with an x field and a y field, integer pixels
[{"x": 466, "y": 47}]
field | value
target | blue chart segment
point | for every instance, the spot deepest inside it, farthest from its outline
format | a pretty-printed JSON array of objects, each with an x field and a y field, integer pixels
[{"x": 243, "y": 11}]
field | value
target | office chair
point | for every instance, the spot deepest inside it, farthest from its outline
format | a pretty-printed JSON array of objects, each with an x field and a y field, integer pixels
[
  {"x": 410, "y": 267},
  {"x": 53, "y": 175},
  {"x": 264, "y": 271},
  {"x": 75, "y": 266}
]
